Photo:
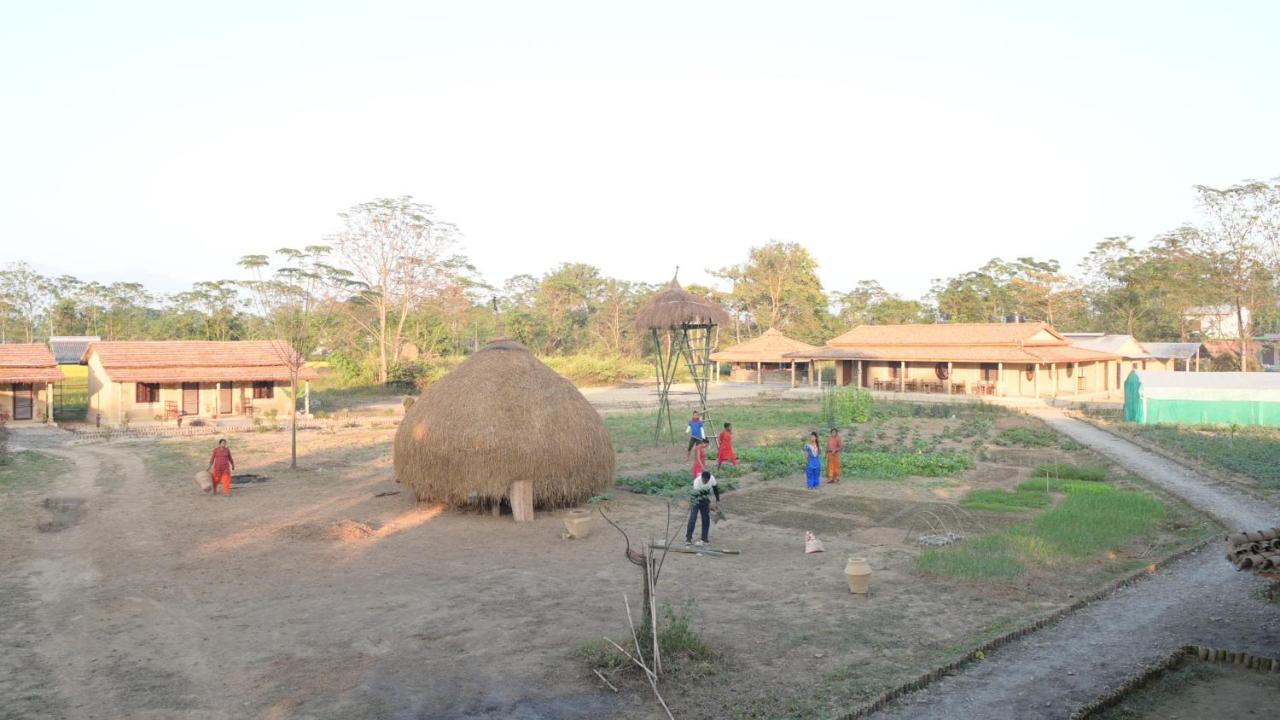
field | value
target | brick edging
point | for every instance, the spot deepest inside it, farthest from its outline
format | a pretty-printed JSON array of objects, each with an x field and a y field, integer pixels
[{"x": 928, "y": 678}]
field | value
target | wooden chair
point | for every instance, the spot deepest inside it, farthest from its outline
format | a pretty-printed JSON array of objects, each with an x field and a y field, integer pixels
[
  {"x": 912, "y": 386},
  {"x": 957, "y": 388}
]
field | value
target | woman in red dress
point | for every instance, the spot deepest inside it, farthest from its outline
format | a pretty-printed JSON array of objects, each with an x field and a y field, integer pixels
[{"x": 724, "y": 447}]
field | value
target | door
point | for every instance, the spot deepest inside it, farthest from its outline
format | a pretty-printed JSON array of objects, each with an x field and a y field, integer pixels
[
  {"x": 23, "y": 401},
  {"x": 224, "y": 399},
  {"x": 190, "y": 398}
]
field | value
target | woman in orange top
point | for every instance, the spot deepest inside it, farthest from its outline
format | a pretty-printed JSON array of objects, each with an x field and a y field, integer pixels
[
  {"x": 834, "y": 446},
  {"x": 220, "y": 466}
]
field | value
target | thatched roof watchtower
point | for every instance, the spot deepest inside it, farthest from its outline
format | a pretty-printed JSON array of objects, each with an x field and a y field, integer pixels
[
  {"x": 682, "y": 326},
  {"x": 672, "y": 307},
  {"x": 503, "y": 417}
]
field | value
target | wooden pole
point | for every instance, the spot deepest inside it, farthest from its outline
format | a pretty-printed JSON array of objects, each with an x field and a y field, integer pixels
[
  {"x": 1000, "y": 379},
  {"x": 759, "y": 373},
  {"x": 793, "y": 373},
  {"x": 521, "y": 498},
  {"x": 858, "y": 374},
  {"x": 902, "y": 376},
  {"x": 48, "y": 403},
  {"x": 948, "y": 381},
  {"x": 306, "y": 398},
  {"x": 1035, "y": 379},
  {"x": 1053, "y": 373}
]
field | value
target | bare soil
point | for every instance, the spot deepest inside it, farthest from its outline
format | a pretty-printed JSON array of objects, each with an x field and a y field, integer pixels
[{"x": 323, "y": 594}]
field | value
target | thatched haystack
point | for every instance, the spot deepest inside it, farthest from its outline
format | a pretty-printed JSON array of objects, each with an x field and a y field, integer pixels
[
  {"x": 501, "y": 417},
  {"x": 673, "y": 307}
]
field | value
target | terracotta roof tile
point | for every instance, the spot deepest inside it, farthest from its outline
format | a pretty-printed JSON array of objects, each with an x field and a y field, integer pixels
[
  {"x": 771, "y": 346},
  {"x": 28, "y": 363},
  {"x": 194, "y": 360}
]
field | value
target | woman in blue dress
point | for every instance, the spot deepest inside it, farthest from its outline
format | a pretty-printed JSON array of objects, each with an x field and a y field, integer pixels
[{"x": 812, "y": 462}]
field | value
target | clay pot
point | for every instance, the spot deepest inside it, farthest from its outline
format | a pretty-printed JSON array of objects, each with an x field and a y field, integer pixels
[
  {"x": 858, "y": 572},
  {"x": 578, "y": 523},
  {"x": 204, "y": 480}
]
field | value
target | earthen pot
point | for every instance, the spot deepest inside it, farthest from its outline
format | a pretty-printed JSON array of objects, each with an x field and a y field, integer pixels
[
  {"x": 578, "y": 523},
  {"x": 858, "y": 572}
]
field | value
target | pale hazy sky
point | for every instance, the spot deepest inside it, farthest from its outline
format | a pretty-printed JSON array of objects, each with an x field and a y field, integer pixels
[{"x": 898, "y": 141}]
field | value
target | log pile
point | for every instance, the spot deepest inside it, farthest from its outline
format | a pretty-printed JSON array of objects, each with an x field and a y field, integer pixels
[{"x": 1257, "y": 551}]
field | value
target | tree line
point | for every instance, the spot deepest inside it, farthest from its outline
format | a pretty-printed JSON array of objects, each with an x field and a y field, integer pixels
[{"x": 393, "y": 283}]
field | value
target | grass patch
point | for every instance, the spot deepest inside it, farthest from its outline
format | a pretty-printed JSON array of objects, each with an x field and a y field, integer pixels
[
  {"x": 30, "y": 468},
  {"x": 1006, "y": 501},
  {"x": 988, "y": 558},
  {"x": 682, "y": 648},
  {"x": 1066, "y": 471},
  {"x": 1250, "y": 451},
  {"x": 1092, "y": 518},
  {"x": 773, "y": 462},
  {"x": 636, "y": 430},
  {"x": 1027, "y": 437},
  {"x": 669, "y": 483}
]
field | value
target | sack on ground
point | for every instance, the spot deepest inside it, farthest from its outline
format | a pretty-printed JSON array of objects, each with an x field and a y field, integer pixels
[
  {"x": 204, "y": 480},
  {"x": 812, "y": 544}
]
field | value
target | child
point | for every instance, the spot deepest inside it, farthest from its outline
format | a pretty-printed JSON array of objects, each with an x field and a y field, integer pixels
[
  {"x": 700, "y": 457},
  {"x": 724, "y": 447},
  {"x": 695, "y": 431},
  {"x": 812, "y": 462},
  {"x": 834, "y": 447},
  {"x": 700, "y": 504}
]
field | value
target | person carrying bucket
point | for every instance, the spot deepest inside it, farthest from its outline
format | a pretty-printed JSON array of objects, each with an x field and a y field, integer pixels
[{"x": 220, "y": 466}]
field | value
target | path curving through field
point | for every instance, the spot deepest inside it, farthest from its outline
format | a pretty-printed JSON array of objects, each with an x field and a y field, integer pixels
[{"x": 1199, "y": 600}]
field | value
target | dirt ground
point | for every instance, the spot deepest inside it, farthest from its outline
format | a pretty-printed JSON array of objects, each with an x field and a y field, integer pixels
[{"x": 326, "y": 592}]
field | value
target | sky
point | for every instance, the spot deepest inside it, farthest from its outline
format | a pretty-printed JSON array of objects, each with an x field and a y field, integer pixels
[{"x": 901, "y": 142}]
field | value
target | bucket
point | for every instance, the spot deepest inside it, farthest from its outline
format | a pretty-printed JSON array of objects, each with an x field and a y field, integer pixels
[
  {"x": 578, "y": 523},
  {"x": 858, "y": 572},
  {"x": 204, "y": 480}
]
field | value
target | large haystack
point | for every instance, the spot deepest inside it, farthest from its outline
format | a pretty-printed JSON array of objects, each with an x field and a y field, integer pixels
[
  {"x": 500, "y": 417},
  {"x": 673, "y": 307}
]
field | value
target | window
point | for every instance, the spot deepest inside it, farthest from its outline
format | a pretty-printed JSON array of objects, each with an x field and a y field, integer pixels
[
  {"x": 146, "y": 392},
  {"x": 990, "y": 372},
  {"x": 263, "y": 390}
]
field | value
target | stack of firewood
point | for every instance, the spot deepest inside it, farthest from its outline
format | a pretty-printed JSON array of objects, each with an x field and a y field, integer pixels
[{"x": 1257, "y": 551}]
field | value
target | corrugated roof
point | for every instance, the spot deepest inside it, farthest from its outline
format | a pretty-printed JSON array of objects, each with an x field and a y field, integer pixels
[
  {"x": 68, "y": 349},
  {"x": 28, "y": 363},
  {"x": 771, "y": 346},
  {"x": 1123, "y": 345},
  {"x": 1222, "y": 380},
  {"x": 1175, "y": 350},
  {"x": 194, "y": 360}
]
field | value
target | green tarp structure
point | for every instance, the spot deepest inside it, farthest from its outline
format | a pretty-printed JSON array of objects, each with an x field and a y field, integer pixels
[{"x": 1202, "y": 398}]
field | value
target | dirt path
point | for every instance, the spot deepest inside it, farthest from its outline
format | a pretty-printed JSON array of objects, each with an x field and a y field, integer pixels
[
  {"x": 78, "y": 585},
  {"x": 1198, "y": 600}
]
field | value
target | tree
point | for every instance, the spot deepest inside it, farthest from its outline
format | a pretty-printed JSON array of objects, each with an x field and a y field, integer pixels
[
  {"x": 870, "y": 304},
  {"x": 779, "y": 286},
  {"x": 25, "y": 296},
  {"x": 1240, "y": 242},
  {"x": 287, "y": 297},
  {"x": 393, "y": 254}
]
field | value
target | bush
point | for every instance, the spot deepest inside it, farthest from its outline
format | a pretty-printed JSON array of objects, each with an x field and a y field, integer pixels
[
  {"x": 845, "y": 406},
  {"x": 595, "y": 370},
  {"x": 1066, "y": 471},
  {"x": 669, "y": 483},
  {"x": 350, "y": 370},
  {"x": 773, "y": 461},
  {"x": 904, "y": 464}
]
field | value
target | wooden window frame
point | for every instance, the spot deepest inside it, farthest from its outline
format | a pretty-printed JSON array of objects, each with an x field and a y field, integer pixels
[
  {"x": 264, "y": 390},
  {"x": 146, "y": 393}
]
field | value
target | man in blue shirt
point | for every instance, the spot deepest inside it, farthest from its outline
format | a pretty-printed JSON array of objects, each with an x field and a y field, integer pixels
[{"x": 695, "y": 431}]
